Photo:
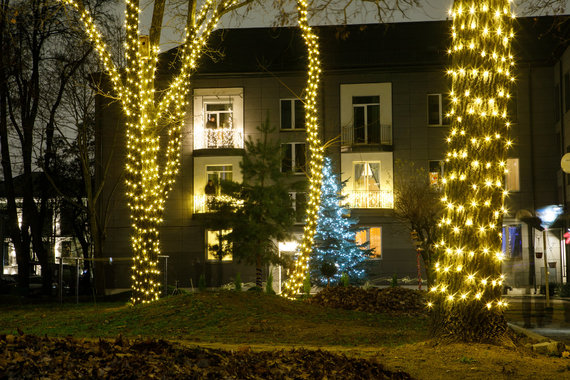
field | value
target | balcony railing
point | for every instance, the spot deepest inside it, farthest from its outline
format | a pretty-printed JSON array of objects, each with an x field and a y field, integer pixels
[
  {"x": 202, "y": 202},
  {"x": 218, "y": 138},
  {"x": 370, "y": 199},
  {"x": 348, "y": 137}
]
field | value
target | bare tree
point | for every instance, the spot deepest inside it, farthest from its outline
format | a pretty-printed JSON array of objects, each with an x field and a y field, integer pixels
[
  {"x": 39, "y": 55},
  {"x": 417, "y": 205}
]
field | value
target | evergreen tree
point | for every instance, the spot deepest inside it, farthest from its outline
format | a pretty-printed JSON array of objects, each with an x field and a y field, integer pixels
[
  {"x": 335, "y": 251},
  {"x": 264, "y": 214}
]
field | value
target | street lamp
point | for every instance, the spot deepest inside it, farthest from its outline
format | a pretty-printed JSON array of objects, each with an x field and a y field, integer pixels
[{"x": 547, "y": 216}]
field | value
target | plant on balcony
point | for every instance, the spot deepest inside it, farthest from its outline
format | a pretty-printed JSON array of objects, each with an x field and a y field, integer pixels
[{"x": 335, "y": 237}]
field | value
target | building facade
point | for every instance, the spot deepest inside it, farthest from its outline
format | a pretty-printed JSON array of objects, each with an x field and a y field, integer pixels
[{"x": 383, "y": 99}]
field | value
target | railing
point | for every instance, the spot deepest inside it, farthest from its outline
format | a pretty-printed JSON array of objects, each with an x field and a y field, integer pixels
[
  {"x": 202, "y": 202},
  {"x": 370, "y": 199},
  {"x": 218, "y": 138},
  {"x": 385, "y": 138}
]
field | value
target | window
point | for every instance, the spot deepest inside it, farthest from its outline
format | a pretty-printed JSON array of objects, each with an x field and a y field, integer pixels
[
  {"x": 366, "y": 176},
  {"x": 512, "y": 181},
  {"x": 217, "y": 174},
  {"x": 292, "y": 114},
  {"x": 567, "y": 92},
  {"x": 218, "y": 115},
  {"x": 299, "y": 204},
  {"x": 371, "y": 237},
  {"x": 366, "y": 119},
  {"x": 512, "y": 241},
  {"x": 436, "y": 108},
  {"x": 293, "y": 157},
  {"x": 435, "y": 172},
  {"x": 218, "y": 118},
  {"x": 217, "y": 247}
]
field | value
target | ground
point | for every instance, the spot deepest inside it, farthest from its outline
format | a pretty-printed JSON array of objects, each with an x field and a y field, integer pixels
[{"x": 248, "y": 323}]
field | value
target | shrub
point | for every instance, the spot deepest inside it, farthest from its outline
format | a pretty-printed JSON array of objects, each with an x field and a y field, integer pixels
[
  {"x": 307, "y": 286},
  {"x": 269, "y": 284},
  {"x": 565, "y": 290},
  {"x": 344, "y": 280},
  {"x": 202, "y": 283},
  {"x": 394, "y": 280},
  {"x": 237, "y": 282}
]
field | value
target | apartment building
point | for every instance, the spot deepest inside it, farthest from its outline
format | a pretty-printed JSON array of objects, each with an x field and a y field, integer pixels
[{"x": 383, "y": 98}]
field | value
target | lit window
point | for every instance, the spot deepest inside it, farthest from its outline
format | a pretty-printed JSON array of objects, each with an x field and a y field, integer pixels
[
  {"x": 371, "y": 237},
  {"x": 293, "y": 158},
  {"x": 217, "y": 174},
  {"x": 218, "y": 115},
  {"x": 366, "y": 119},
  {"x": 217, "y": 248},
  {"x": 435, "y": 172},
  {"x": 512, "y": 241},
  {"x": 292, "y": 114},
  {"x": 512, "y": 178},
  {"x": 436, "y": 109},
  {"x": 367, "y": 176}
]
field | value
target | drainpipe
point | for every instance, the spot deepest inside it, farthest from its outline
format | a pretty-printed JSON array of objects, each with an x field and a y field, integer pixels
[{"x": 562, "y": 151}]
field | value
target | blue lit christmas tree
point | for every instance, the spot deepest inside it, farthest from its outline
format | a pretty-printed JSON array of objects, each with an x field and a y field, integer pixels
[{"x": 335, "y": 251}]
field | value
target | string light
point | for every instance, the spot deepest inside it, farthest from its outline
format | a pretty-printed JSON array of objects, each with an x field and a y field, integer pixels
[
  {"x": 474, "y": 188},
  {"x": 293, "y": 285},
  {"x": 147, "y": 182}
]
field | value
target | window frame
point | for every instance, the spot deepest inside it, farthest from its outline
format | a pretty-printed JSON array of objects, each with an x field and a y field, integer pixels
[
  {"x": 441, "y": 119},
  {"x": 295, "y": 169},
  {"x": 366, "y": 165},
  {"x": 367, "y": 126},
  {"x": 208, "y": 252},
  {"x": 218, "y": 113},
  {"x": 367, "y": 230},
  {"x": 293, "y": 113}
]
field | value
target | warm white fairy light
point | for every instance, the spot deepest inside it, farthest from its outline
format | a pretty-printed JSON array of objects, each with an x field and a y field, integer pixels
[
  {"x": 148, "y": 184},
  {"x": 295, "y": 282},
  {"x": 475, "y": 165}
]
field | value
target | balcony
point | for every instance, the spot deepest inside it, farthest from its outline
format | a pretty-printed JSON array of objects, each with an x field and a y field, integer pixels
[
  {"x": 202, "y": 202},
  {"x": 370, "y": 199},
  {"x": 218, "y": 138},
  {"x": 363, "y": 136}
]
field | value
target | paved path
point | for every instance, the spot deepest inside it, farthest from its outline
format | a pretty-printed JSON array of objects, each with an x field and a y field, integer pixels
[{"x": 532, "y": 313}]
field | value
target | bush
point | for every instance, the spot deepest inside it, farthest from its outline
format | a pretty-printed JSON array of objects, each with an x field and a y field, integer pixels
[
  {"x": 394, "y": 281},
  {"x": 237, "y": 282},
  {"x": 307, "y": 286},
  {"x": 565, "y": 290},
  {"x": 269, "y": 284},
  {"x": 344, "y": 280},
  {"x": 202, "y": 283},
  {"x": 551, "y": 288}
]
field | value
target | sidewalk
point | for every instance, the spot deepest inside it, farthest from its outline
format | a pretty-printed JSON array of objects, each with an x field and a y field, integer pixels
[{"x": 531, "y": 312}]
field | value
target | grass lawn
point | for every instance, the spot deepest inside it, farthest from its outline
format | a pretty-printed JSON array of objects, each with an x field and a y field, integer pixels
[
  {"x": 257, "y": 322},
  {"x": 220, "y": 317}
]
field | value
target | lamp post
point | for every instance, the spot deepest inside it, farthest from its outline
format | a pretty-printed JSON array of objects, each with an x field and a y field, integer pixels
[{"x": 547, "y": 216}]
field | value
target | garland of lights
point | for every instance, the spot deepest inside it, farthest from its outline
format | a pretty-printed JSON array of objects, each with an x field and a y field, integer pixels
[
  {"x": 469, "y": 271},
  {"x": 147, "y": 183},
  {"x": 293, "y": 285}
]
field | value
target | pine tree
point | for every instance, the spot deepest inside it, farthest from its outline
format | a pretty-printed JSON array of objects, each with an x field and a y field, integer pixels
[{"x": 335, "y": 251}]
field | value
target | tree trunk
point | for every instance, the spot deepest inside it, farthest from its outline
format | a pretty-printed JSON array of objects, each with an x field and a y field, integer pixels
[{"x": 258, "y": 272}]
